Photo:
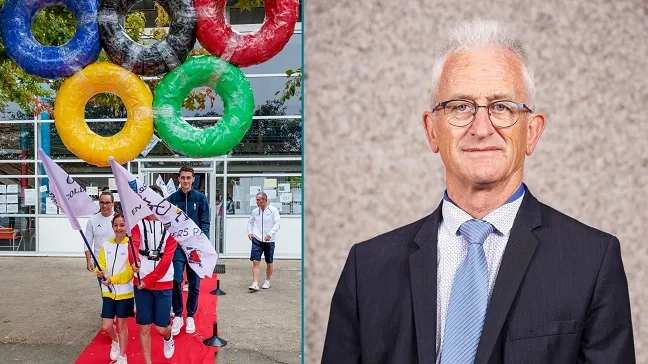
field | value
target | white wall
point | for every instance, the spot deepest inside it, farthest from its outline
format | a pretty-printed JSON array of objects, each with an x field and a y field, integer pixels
[
  {"x": 55, "y": 236},
  {"x": 288, "y": 244}
]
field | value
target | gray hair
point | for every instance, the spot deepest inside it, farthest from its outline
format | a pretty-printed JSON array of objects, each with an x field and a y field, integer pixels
[
  {"x": 263, "y": 195},
  {"x": 477, "y": 33}
]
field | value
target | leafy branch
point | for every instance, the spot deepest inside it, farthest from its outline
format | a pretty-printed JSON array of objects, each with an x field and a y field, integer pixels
[
  {"x": 293, "y": 85},
  {"x": 248, "y": 4}
]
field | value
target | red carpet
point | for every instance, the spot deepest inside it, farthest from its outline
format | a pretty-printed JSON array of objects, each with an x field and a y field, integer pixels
[{"x": 189, "y": 349}]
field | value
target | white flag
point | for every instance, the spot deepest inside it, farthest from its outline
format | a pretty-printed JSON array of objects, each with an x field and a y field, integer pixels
[
  {"x": 160, "y": 183},
  {"x": 170, "y": 187},
  {"x": 139, "y": 201},
  {"x": 66, "y": 193}
]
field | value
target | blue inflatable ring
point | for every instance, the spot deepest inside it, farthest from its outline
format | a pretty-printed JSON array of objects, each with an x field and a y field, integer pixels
[{"x": 46, "y": 61}]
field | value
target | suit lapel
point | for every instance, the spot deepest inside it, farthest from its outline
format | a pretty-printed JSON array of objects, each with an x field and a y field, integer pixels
[
  {"x": 423, "y": 278},
  {"x": 517, "y": 256}
]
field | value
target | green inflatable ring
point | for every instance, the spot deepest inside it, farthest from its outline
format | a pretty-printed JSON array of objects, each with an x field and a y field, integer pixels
[{"x": 230, "y": 84}]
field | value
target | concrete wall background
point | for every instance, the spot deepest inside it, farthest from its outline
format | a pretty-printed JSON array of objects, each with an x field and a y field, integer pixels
[{"x": 369, "y": 168}]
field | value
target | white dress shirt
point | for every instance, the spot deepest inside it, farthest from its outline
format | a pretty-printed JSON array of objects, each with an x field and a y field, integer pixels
[
  {"x": 259, "y": 225},
  {"x": 452, "y": 250}
]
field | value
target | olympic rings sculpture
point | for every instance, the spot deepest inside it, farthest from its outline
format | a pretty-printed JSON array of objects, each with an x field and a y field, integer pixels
[{"x": 101, "y": 25}]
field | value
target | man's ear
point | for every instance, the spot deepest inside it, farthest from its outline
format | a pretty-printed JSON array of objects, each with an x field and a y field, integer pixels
[
  {"x": 535, "y": 127},
  {"x": 429, "y": 120}
]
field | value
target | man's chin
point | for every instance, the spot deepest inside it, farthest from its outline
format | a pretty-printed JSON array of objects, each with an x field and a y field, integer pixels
[{"x": 483, "y": 177}]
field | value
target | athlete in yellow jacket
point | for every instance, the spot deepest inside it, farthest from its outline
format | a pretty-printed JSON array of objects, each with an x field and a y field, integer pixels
[{"x": 117, "y": 288}]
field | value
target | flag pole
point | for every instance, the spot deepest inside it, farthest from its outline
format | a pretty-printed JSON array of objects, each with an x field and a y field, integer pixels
[
  {"x": 94, "y": 259},
  {"x": 111, "y": 160},
  {"x": 130, "y": 242}
]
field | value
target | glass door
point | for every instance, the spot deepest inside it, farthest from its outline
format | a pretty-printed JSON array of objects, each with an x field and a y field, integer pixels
[{"x": 205, "y": 182}]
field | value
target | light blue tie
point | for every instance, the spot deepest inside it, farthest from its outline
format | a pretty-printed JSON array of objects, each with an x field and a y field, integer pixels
[{"x": 468, "y": 299}]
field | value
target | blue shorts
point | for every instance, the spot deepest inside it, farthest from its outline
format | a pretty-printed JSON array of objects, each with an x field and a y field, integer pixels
[
  {"x": 121, "y": 308},
  {"x": 265, "y": 248},
  {"x": 153, "y": 307}
]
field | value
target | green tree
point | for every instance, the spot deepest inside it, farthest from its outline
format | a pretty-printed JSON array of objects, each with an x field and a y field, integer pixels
[{"x": 276, "y": 136}]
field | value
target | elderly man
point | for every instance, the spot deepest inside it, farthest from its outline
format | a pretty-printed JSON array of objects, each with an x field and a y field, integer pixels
[
  {"x": 493, "y": 275},
  {"x": 262, "y": 228}
]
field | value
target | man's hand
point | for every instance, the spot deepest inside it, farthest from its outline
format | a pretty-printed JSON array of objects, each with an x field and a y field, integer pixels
[
  {"x": 250, "y": 236},
  {"x": 100, "y": 274},
  {"x": 267, "y": 237},
  {"x": 106, "y": 282},
  {"x": 89, "y": 265},
  {"x": 141, "y": 285},
  {"x": 135, "y": 268}
]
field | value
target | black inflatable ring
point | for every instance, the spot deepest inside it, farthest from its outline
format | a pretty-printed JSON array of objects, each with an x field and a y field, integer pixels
[{"x": 157, "y": 58}]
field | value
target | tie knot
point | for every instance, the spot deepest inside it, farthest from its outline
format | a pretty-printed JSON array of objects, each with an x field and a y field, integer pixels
[{"x": 476, "y": 231}]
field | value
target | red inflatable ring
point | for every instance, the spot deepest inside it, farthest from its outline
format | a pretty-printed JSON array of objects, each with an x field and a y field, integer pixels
[{"x": 242, "y": 50}]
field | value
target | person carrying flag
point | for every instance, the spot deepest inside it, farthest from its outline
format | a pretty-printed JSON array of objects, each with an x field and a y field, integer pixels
[
  {"x": 155, "y": 248},
  {"x": 196, "y": 206},
  {"x": 138, "y": 202},
  {"x": 117, "y": 289}
]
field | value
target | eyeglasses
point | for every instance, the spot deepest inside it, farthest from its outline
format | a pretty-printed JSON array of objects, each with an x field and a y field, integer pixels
[{"x": 502, "y": 114}]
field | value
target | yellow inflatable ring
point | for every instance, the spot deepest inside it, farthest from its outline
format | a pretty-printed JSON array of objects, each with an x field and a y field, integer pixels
[{"x": 69, "y": 114}]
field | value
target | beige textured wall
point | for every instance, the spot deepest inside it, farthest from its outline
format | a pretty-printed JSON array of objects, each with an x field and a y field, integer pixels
[{"x": 368, "y": 166}]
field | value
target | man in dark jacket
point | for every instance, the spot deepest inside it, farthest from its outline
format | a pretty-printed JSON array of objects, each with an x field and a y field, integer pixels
[
  {"x": 196, "y": 206},
  {"x": 492, "y": 276}
]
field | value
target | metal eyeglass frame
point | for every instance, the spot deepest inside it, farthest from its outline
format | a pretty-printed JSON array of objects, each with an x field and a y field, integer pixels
[{"x": 521, "y": 105}]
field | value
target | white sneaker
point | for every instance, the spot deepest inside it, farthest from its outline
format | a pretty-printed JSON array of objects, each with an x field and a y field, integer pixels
[
  {"x": 121, "y": 360},
  {"x": 177, "y": 325},
  {"x": 266, "y": 284},
  {"x": 169, "y": 347},
  {"x": 114, "y": 349},
  {"x": 186, "y": 287},
  {"x": 172, "y": 313},
  {"x": 191, "y": 326},
  {"x": 254, "y": 287}
]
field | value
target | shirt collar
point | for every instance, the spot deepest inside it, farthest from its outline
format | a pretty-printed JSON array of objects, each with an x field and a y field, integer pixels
[
  {"x": 453, "y": 216},
  {"x": 124, "y": 240}
]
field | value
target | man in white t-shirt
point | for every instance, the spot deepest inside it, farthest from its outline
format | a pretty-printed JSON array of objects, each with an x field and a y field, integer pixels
[
  {"x": 262, "y": 228},
  {"x": 99, "y": 229}
]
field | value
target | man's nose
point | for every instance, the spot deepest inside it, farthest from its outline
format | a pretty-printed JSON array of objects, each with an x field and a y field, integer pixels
[{"x": 481, "y": 125}]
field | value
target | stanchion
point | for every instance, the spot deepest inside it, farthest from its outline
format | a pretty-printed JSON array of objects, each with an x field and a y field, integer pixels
[
  {"x": 215, "y": 340},
  {"x": 218, "y": 291}
]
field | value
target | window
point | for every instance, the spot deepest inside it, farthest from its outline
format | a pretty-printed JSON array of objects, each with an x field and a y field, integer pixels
[{"x": 285, "y": 193}]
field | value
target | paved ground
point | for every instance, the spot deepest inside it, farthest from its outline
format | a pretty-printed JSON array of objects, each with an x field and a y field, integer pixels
[{"x": 49, "y": 307}]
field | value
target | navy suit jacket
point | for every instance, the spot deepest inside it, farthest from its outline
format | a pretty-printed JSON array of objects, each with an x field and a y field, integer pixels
[{"x": 561, "y": 296}]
